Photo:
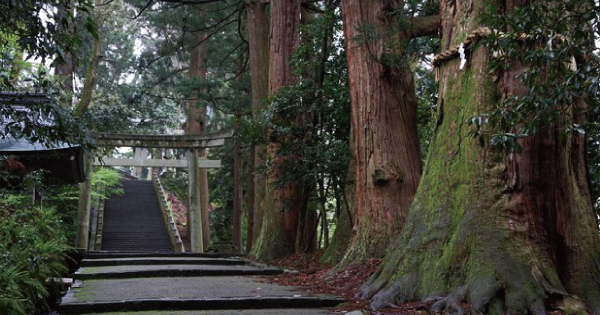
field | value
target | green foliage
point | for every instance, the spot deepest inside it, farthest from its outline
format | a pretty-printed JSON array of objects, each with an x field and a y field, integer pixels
[
  {"x": 144, "y": 81},
  {"x": 553, "y": 44},
  {"x": 11, "y": 60},
  {"x": 221, "y": 221},
  {"x": 33, "y": 123},
  {"x": 311, "y": 119},
  {"x": 427, "y": 97},
  {"x": 30, "y": 33},
  {"x": 39, "y": 26},
  {"x": 117, "y": 105},
  {"x": 177, "y": 184},
  {"x": 32, "y": 255},
  {"x": 105, "y": 182}
]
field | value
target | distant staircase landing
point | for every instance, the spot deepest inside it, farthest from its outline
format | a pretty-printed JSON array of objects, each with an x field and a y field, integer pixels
[{"x": 134, "y": 222}]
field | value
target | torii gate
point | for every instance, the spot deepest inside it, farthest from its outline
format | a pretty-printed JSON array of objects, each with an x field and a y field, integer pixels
[{"x": 191, "y": 143}]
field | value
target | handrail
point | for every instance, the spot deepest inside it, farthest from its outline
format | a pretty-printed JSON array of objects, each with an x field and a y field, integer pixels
[
  {"x": 167, "y": 211},
  {"x": 100, "y": 225},
  {"x": 97, "y": 222}
]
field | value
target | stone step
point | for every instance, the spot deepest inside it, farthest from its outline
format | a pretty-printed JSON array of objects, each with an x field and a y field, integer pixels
[
  {"x": 228, "y": 304},
  {"x": 119, "y": 238},
  {"x": 296, "y": 311},
  {"x": 172, "y": 270},
  {"x": 156, "y": 261},
  {"x": 163, "y": 249},
  {"x": 190, "y": 293},
  {"x": 147, "y": 254}
]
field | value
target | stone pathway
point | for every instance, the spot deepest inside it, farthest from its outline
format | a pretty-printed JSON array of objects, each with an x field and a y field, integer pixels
[{"x": 113, "y": 283}]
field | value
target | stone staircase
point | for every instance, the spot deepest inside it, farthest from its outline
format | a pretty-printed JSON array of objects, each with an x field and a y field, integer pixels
[
  {"x": 119, "y": 283},
  {"x": 134, "y": 222}
]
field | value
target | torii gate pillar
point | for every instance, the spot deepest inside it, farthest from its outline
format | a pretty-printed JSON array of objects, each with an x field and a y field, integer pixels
[
  {"x": 195, "y": 204},
  {"x": 85, "y": 202}
]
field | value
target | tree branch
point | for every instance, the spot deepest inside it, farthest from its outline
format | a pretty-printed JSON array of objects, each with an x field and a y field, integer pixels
[
  {"x": 423, "y": 25},
  {"x": 191, "y": 2},
  {"x": 143, "y": 9}
]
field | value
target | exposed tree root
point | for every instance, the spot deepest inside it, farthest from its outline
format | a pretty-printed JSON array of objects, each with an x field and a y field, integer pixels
[
  {"x": 450, "y": 305},
  {"x": 486, "y": 299}
]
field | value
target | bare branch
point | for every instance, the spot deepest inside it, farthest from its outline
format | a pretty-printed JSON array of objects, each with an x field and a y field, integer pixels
[
  {"x": 240, "y": 19},
  {"x": 423, "y": 25},
  {"x": 223, "y": 20}
]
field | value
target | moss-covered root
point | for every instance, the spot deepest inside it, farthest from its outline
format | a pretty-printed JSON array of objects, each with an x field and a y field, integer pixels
[
  {"x": 509, "y": 285},
  {"x": 489, "y": 297},
  {"x": 492, "y": 266}
]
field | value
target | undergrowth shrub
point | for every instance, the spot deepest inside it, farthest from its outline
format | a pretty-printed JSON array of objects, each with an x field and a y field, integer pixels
[
  {"x": 35, "y": 237},
  {"x": 32, "y": 255}
]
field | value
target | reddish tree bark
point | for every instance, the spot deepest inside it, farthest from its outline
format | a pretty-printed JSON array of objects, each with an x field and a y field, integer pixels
[
  {"x": 283, "y": 203},
  {"x": 258, "y": 41},
  {"x": 384, "y": 121}
]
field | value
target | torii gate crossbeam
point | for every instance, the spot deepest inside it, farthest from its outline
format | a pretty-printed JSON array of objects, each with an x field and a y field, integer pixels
[
  {"x": 202, "y": 163},
  {"x": 162, "y": 141}
]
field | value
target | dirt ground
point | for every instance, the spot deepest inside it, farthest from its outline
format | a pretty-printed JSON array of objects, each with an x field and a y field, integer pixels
[{"x": 312, "y": 276}]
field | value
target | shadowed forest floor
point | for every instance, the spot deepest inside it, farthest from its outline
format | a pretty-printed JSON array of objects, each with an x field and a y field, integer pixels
[{"x": 313, "y": 277}]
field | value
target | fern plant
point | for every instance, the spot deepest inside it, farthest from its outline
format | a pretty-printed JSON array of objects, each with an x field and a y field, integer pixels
[{"x": 32, "y": 256}]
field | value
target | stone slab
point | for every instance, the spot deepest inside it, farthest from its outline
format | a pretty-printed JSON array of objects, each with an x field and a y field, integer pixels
[
  {"x": 136, "y": 271},
  {"x": 161, "y": 261},
  {"x": 192, "y": 293},
  {"x": 132, "y": 254},
  {"x": 199, "y": 304},
  {"x": 311, "y": 311},
  {"x": 164, "y": 288}
]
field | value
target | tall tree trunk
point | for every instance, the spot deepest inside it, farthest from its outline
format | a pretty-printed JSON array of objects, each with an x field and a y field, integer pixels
[
  {"x": 65, "y": 71},
  {"x": 282, "y": 203},
  {"x": 65, "y": 67},
  {"x": 238, "y": 209},
  {"x": 510, "y": 233},
  {"x": 384, "y": 108},
  {"x": 306, "y": 237},
  {"x": 15, "y": 67},
  {"x": 323, "y": 206},
  {"x": 195, "y": 124},
  {"x": 334, "y": 253},
  {"x": 258, "y": 39},
  {"x": 96, "y": 54},
  {"x": 90, "y": 78},
  {"x": 83, "y": 212}
]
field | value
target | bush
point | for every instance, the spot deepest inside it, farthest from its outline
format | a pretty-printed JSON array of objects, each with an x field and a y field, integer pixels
[
  {"x": 32, "y": 256},
  {"x": 105, "y": 183},
  {"x": 34, "y": 240}
]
